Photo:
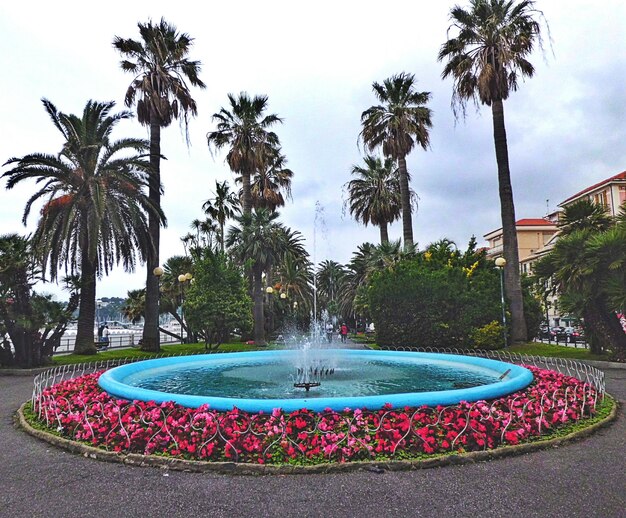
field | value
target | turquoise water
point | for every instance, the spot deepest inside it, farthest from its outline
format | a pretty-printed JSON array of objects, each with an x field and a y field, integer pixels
[{"x": 263, "y": 379}]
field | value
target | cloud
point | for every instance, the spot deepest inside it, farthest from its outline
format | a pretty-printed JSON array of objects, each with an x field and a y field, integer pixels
[{"x": 316, "y": 62}]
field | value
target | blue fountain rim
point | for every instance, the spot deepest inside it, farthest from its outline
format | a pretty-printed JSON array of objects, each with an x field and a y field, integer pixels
[{"x": 514, "y": 378}]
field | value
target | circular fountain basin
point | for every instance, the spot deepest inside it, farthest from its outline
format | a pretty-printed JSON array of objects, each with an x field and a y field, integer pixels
[{"x": 261, "y": 381}]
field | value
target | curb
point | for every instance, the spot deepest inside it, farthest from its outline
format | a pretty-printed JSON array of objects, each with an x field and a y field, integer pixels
[{"x": 233, "y": 468}]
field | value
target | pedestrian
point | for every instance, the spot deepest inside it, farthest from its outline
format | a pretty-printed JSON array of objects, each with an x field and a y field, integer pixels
[
  {"x": 105, "y": 337},
  {"x": 344, "y": 333},
  {"x": 329, "y": 332}
]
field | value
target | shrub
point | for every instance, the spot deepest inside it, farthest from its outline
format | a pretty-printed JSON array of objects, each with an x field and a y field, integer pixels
[{"x": 488, "y": 337}]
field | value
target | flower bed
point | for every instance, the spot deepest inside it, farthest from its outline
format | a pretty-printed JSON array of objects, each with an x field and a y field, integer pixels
[{"x": 78, "y": 409}]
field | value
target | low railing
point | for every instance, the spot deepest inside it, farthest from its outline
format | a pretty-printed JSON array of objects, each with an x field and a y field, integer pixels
[
  {"x": 116, "y": 341},
  {"x": 577, "y": 369}
]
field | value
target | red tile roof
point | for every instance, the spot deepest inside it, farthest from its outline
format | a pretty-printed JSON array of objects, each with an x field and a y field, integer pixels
[
  {"x": 531, "y": 222},
  {"x": 619, "y": 176}
]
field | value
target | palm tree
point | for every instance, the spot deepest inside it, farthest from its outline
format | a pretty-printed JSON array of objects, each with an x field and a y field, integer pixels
[
  {"x": 244, "y": 129},
  {"x": 486, "y": 59},
  {"x": 374, "y": 195},
  {"x": 329, "y": 279},
  {"x": 222, "y": 207},
  {"x": 587, "y": 268},
  {"x": 18, "y": 273},
  {"x": 264, "y": 242},
  {"x": 295, "y": 275},
  {"x": 95, "y": 214},
  {"x": 583, "y": 215},
  {"x": 401, "y": 121},
  {"x": 270, "y": 181},
  {"x": 162, "y": 69}
]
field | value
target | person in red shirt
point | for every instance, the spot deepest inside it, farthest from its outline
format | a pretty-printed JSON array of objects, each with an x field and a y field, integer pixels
[{"x": 344, "y": 332}]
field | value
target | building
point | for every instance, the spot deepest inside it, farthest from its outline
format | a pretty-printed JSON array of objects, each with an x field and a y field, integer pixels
[
  {"x": 609, "y": 193},
  {"x": 537, "y": 236},
  {"x": 533, "y": 234}
]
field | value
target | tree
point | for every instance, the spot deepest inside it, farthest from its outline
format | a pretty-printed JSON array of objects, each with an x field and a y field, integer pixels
[
  {"x": 244, "y": 129},
  {"x": 261, "y": 242},
  {"x": 329, "y": 280},
  {"x": 270, "y": 181},
  {"x": 374, "y": 195},
  {"x": 222, "y": 207},
  {"x": 34, "y": 323},
  {"x": 401, "y": 121},
  {"x": 173, "y": 290},
  {"x": 217, "y": 302},
  {"x": 587, "y": 269},
  {"x": 295, "y": 275},
  {"x": 161, "y": 93},
  {"x": 135, "y": 305},
  {"x": 95, "y": 213},
  {"x": 485, "y": 59}
]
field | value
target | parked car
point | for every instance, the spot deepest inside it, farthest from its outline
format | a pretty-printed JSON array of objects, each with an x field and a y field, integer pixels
[
  {"x": 574, "y": 335},
  {"x": 559, "y": 334}
]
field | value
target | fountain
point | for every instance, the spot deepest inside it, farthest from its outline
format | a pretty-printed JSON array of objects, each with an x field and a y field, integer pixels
[
  {"x": 336, "y": 379},
  {"x": 315, "y": 377}
]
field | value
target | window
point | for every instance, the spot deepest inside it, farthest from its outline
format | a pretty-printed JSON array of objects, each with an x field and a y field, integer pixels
[
  {"x": 622, "y": 194},
  {"x": 600, "y": 199}
]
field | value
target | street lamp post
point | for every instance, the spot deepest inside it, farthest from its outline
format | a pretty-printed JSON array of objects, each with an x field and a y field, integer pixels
[
  {"x": 182, "y": 279},
  {"x": 158, "y": 271},
  {"x": 500, "y": 264}
]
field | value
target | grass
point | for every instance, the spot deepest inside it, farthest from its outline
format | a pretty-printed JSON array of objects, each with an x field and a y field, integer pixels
[
  {"x": 558, "y": 351},
  {"x": 540, "y": 349},
  {"x": 531, "y": 348},
  {"x": 166, "y": 350}
]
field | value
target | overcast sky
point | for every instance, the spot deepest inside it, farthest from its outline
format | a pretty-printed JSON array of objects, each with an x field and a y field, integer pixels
[{"x": 566, "y": 126}]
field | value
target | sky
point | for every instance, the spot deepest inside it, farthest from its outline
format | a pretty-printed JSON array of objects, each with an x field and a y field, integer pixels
[{"x": 566, "y": 126}]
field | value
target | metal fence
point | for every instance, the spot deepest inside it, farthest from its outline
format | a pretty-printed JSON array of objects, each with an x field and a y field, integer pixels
[{"x": 116, "y": 341}]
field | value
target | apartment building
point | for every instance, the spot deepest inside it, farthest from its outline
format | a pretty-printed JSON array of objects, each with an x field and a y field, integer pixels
[
  {"x": 537, "y": 236},
  {"x": 609, "y": 193},
  {"x": 533, "y": 234}
]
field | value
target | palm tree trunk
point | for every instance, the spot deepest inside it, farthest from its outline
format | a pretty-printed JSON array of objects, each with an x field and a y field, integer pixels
[
  {"x": 384, "y": 235},
  {"x": 512, "y": 282},
  {"x": 150, "y": 339},
  {"x": 87, "y": 308},
  {"x": 222, "y": 236},
  {"x": 247, "y": 195},
  {"x": 604, "y": 330},
  {"x": 407, "y": 221},
  {"x": 259, "y": 316}
]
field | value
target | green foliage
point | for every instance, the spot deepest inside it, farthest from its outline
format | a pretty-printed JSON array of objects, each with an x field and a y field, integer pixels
[
  {"x": 437, "y": 299},
  {"x": 533, "y": 312},
  {"x": 488, "y": 337},
  {"x": 587, "y": 268},
  {"x": 217, "y": 302}
]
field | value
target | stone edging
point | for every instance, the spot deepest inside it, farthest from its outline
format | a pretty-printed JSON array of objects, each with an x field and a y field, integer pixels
[{"x": 233, "y": 468}]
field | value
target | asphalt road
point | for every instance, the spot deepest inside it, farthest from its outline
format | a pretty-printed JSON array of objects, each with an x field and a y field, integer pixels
[{"x": 583, "y": 479}]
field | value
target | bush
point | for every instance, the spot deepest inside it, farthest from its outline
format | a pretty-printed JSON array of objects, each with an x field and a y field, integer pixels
[{"x": 488, "y": 337}]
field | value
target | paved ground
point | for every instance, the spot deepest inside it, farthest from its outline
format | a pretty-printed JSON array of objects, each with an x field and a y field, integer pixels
[{"x": 585, "y": 479}]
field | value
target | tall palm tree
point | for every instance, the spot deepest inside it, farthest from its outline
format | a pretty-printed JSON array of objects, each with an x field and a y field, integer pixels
[
  {"x": 485, "y": 59},
  {"x": 161, "y": 92},
  {"x": 329, "y": 279},
  {"x": 264, "y": 242},
  {"x": 222, "y": 207},
  {"x": 95, "y": 213},
  {"x": 244, "y": 130},
  {"x": 374, "y": 195},
  {"x": 270, "y": 182},
  {"x": 401, "y": 121}
]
